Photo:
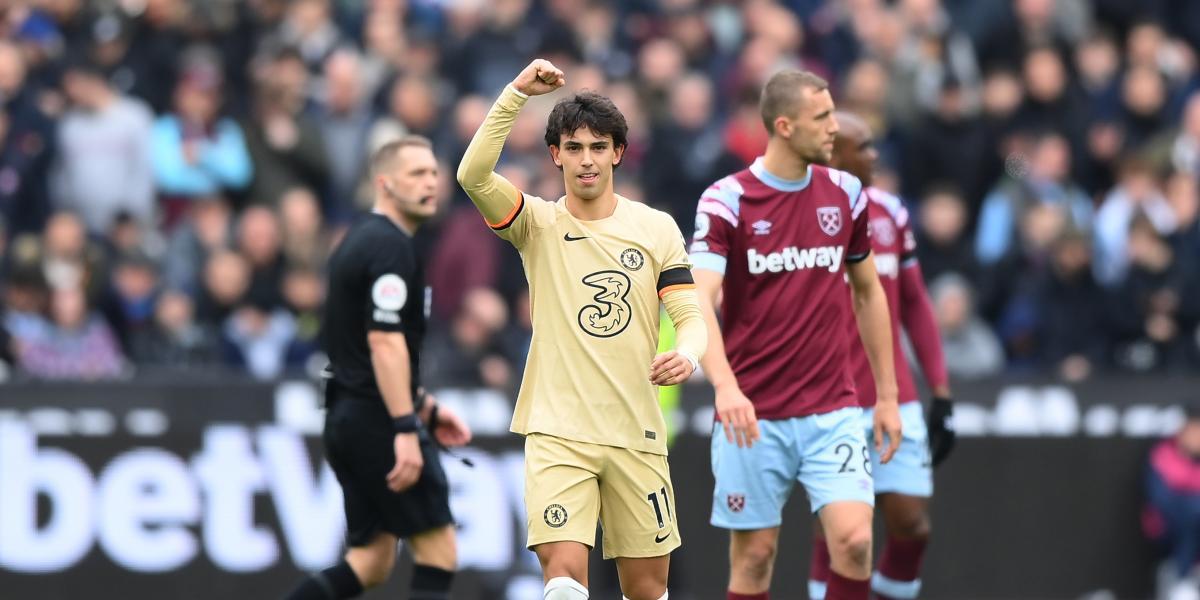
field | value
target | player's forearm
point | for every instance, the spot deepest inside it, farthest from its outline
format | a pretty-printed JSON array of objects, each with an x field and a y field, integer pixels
[
  {"x": 875, "y": 328},
  {"x": 691, "y": 335},
  {"x": 495, "y": 197},
  {"x": 921, "y": 324},
  {"x": 714, "y": 362},
  {"x": 390, "y": 360}
]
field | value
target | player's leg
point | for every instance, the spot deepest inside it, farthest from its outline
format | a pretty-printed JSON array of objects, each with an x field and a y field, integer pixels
[
  {"x": 644, "y": 578},
  {"x": 906, "y": 520},
  {"x": 348, "y": 437},
  {"x": 562, "y": 505},
  {"x": 818, "y": 566},
  {"x": 752, "y": 485},
  {"x": 751, "y": 562},
  {"x": 836, "y": 472},
  {"x": 637, "y": 510},
  {"x": 904, "y": 486},
  {"x": 435, "y": 556}
]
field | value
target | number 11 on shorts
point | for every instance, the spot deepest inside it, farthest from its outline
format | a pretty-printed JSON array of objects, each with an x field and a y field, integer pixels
[{"x": 653, "y": 498}]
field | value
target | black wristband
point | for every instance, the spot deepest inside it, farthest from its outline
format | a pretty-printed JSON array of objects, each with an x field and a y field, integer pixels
[{"x": 407, "y": 424}]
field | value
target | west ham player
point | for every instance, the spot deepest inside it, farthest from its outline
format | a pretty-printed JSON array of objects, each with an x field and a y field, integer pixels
[
  {"x": 598, "y": 267},
  {"x": 384, "y": 457},
  {"x": 777, "y": 240},
  {"x": 904, "y": 485}
]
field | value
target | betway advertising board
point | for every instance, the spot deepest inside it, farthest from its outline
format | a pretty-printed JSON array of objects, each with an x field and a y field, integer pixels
[{"x": 194, "y": 490}]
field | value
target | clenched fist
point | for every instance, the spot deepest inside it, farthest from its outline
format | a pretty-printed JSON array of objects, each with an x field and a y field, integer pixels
[{"x": 540, "y": 77}]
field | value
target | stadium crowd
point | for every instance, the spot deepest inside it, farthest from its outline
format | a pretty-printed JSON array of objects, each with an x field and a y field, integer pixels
[{"x": 174, "y": 172}]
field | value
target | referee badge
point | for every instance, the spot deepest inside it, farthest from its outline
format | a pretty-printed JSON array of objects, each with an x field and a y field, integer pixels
[{"x": 389, "y": 292}]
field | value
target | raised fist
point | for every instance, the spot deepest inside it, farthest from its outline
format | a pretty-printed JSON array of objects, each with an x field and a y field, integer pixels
[{"x": 540, "y": 77}]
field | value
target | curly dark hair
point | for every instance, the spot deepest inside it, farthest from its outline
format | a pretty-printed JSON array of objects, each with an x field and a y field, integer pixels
[{"x": 587, "y": 109}]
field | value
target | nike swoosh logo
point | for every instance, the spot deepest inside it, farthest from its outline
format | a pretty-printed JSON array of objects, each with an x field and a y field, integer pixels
[
  {"x": 659, "y": 540},
  {"x": 567, "y": 237}
]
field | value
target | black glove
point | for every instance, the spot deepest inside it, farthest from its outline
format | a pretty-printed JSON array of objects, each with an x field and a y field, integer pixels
[{"x": 941, "y": 430}]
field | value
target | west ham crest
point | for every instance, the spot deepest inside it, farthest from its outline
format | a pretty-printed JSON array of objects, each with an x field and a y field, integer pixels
[
  {"x": 884, "y": 231},
  {"x": 736, "y": 502},
  {"x": 830, "y": 218}
]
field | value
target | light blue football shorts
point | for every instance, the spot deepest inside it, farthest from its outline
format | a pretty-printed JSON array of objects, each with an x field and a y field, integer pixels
[
  {"x": 910, "y": 472},
  {"x": 826, "y": 453}
]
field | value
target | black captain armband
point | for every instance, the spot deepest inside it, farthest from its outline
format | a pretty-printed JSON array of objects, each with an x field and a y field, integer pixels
[
  {"x": 679, "y": 278},
  {"x": 406, "y": 424}
]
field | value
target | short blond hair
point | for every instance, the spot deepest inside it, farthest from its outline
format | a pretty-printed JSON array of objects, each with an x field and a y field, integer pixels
[{"x": 385, "y": 156}]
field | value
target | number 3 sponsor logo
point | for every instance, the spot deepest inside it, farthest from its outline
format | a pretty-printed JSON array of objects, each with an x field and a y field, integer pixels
[{"x": 611, "y": 313}]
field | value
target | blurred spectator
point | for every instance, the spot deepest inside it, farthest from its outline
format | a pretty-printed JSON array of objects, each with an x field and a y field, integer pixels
[
  {"x": 304, "y": 296},
  {"x": 948, "y": 144},
  {"x": 470, "y": 353},
  {"x": 226, "y": 279},
  {"x": 257, "y": 337},
  {"x": 260, "y": 241},
  {"x": 76, "y": 343},
  {"x": 1098, "y": 61},
  {"x": 1051, "y": 104},
  {"x": 309, "y": 28},
  {"x": 972, "y": 350},
  {"x": 1136, "y": 194},
  {"x": 412, "y": 107},
  {"x": 493, "y": 48},
  {"x": 1044, "y": 179},
  {"x": 175, "y": 340},
  {"x": 286, "y": 148},
  {"x": 305, "y": 241},
  {"x": 345, "y": 119},
  {"x": 68, "y": 256},
  {"x": 686, "y": 155},
  {"x": 1070, "y": 332},
  {"x": 27, "y": 142},
  {"x": 944, "y": 241},
  {"x": 104, "y": 143},
  {"x": 1144, "y": 101},
  {"x": 156, "y": 41},
  {"x": 933, "y": 52},
  {"x": 1183, "y": 194},
  {"x": 129, "y": 304},
  {"x": 207, "y": 227},
  {"x": 197, "y": 154},
  {"x": 1179, "y": 148},
  {"x": 1049, "y": 23},
  {"x": 1149, "y": 309},
  {"x": 1172, "y": 514}
]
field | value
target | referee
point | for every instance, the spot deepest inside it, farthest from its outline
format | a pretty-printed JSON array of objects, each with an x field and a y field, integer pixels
[{"x": 385, "y": 458}]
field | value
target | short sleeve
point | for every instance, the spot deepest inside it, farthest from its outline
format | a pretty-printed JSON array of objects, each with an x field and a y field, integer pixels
[
  {"x": 389, "y": 275},
  {"x": 716, "y": 225},
  {"x": 859, "y": 246}
]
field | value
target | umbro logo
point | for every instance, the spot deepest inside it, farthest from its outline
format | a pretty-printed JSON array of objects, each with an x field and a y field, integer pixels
[
  {"x": 762, "y": 227},
  {"x": 567, "y": 237}
]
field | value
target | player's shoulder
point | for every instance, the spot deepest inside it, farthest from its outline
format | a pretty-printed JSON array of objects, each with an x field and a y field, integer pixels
[
  {"x": 641, "y": 210},
  {"x": 850, "y": 185},
  {"x": 892, "y": 204},
  {"x": 373, "y": 233},
  {"x": 723, "y": 197}
]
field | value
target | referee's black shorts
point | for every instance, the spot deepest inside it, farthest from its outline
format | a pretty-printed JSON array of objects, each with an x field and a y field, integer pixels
[{"x": 359, "y": 446}]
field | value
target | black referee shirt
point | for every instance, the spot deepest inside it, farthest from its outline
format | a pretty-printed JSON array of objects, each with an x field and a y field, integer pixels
[{"x": 375, "y": 283}]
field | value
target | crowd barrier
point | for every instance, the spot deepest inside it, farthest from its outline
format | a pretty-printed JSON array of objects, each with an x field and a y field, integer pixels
[{"x": 193, "y": 489}]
